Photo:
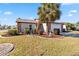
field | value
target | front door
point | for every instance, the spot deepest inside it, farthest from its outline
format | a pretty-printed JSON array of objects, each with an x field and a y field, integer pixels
[{"x": 30, "y": 29}]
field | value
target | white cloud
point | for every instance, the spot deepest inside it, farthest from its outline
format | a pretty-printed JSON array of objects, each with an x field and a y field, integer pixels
[
  {"x": 70, "y": 14},
  {"x": 66, "y": 3},
  {"x": 73, "y": 11},
  {"x": 8, "y": 13}
]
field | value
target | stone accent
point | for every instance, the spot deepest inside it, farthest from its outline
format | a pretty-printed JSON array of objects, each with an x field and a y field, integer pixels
[{"x": 5, "y": 48}]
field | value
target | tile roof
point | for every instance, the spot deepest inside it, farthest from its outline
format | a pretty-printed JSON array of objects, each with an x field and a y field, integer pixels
[
  {"x": 33, "y": 21},
  {"x": 26, "y": 21}
]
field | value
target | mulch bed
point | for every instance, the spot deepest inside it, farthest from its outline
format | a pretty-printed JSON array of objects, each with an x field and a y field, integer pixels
[
  {"x": 7, "y": 35},
  {"x": 53, "y": 36},
  {"x": 44, "y": 35}
]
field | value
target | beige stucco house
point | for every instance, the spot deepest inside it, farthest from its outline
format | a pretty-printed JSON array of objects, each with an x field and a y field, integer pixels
[{"x": 27, "y": 23}]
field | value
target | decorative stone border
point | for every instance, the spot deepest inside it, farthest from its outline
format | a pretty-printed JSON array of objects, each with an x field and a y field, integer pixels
[{"x": 5, "y": 48}]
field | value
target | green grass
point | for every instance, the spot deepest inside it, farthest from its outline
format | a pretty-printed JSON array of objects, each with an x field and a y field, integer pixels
[
  {"x": 29, "y": 45},
  {"x": 3, "y": 32},
  {"x": 26, "y": 45},
  {"x": 75, "y": 32}
]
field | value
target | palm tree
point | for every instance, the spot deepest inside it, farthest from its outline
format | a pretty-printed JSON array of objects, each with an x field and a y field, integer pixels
[{"x": 49, "y": 12}]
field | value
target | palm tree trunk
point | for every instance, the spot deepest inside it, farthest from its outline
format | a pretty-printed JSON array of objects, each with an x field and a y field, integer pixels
[
  {"x": 48, "y": 29},
  {"x": 38, "y": 27}
]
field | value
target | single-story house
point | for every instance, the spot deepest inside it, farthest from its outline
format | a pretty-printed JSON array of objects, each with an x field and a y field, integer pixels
[{"x": 27, "y": 23}]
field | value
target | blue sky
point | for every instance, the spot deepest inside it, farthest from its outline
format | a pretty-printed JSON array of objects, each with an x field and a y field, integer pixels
[
  {"x": 70, "y": 12},
  {"x": 10, "y": 12}
]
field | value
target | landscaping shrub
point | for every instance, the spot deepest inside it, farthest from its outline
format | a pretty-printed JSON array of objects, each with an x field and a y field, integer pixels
[
  {"x": 27, "y": 30},
  {"x": 34, "y": 31},
  {"x": 56, "y": 31},
  {"x": 13, "y": 32},
  {"x": 73, "y": 28}
]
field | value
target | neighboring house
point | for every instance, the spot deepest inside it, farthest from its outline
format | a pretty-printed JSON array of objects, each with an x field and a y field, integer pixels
[
  {"x": 27, "y": 23},
  {"x": 77, "y": 27}
]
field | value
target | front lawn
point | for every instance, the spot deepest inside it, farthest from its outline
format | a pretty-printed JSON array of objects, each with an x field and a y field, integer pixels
[
  {"x": 3, "y": 32},
  {"x": 75, "y": 32},
  {"x": 34, "y": 45}
]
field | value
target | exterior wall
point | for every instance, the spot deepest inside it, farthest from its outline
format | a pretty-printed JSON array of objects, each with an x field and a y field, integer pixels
[
  {"x": 56, "y": 26},
  {"x": 77, "y": 27},
  {"x": 26, "y": 25},
  {"x": 22, "y": 26},
  {"x": 19, "y": 27},
  {"x": 44, "y": 27},
  {"x": 53, "y": 26}
]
